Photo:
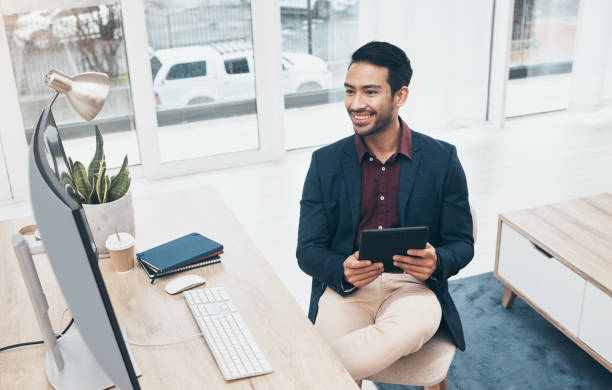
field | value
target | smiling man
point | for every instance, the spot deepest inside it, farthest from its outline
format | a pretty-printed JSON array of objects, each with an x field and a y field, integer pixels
[{"x": 385, "y": 175}]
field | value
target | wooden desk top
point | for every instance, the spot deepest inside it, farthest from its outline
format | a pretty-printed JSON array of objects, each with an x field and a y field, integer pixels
[
  {"x": 299, "y": 356},
  {"x": 577, "y": 232}
]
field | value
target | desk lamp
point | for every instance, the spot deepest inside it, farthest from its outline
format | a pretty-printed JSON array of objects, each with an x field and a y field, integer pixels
[{"x": 94, "y": 356}]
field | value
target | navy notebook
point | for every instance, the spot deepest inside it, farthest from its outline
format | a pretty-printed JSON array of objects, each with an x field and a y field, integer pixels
[{"x": 179, "y": 252}]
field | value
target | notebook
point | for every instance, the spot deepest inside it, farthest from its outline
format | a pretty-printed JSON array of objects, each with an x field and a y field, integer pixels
[
  {"x": 179, "y": 252},
  {"x": 202, "y": 263}
]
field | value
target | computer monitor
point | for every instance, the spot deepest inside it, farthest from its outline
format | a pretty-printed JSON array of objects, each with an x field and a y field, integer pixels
[{"x": 73, "y": 256}]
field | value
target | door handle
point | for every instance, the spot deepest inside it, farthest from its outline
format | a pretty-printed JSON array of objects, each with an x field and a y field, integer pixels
[{"x": 542, "y": 251}]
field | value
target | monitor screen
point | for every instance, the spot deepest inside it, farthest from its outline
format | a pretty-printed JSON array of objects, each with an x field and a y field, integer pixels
[{"x": 56, "y": 156}]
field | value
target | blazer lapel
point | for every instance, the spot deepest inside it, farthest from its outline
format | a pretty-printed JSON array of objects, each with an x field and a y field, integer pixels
[
  {"x": 352, "y": 178},
  {"x": 408, "y": 173}
]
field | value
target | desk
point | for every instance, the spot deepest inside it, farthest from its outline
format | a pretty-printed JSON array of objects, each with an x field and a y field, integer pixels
[{"x": 299, "y": 356}]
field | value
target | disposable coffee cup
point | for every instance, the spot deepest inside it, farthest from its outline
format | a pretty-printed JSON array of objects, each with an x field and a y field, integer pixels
[{"x": 121, "y": 251}]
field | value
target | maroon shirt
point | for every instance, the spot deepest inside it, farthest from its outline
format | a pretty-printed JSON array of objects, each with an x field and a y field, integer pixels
[{"x": 380, "y": 184}]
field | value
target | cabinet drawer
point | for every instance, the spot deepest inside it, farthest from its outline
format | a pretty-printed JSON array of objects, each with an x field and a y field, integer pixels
[
  {"x": 545, "y": 281},
  {"x": 596, "y": 321}
]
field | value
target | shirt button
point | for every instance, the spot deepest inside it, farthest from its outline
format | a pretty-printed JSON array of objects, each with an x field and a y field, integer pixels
[
  {"x": 383, "y": 168},
  {"x": 371, "y": 158},
  {"x": 380, "y": 227},
  {"x": 382, "y": 197}
]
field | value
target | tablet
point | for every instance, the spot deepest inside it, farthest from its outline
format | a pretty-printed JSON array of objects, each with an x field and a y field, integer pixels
[{"x": 380, "y": 245}]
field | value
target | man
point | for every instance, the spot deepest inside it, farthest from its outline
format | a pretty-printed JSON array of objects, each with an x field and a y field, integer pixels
[{"x": 385, "y": 175}]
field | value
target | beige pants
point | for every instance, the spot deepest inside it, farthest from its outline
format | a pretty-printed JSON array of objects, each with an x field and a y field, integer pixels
[{"x": 391, "y": 317}]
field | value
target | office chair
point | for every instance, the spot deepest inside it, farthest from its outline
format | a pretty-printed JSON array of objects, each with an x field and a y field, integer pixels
[{"x": 428, "y": 366}]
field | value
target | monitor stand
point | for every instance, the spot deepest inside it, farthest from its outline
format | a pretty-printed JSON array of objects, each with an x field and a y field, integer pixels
[
  {"x": 68, "y": 362},
  {"x": 81, "y": 369}
]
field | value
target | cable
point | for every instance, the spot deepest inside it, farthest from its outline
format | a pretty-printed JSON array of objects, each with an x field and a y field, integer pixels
[
  {"x": 39, "y": 341},
  {"x": 163, "y": 344}
]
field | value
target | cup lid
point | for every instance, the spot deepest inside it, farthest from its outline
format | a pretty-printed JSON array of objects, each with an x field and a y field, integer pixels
[{"x": 112, "y": 244}]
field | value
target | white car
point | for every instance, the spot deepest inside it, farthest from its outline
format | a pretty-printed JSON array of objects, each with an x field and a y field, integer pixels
[{"x": 224, "y": 72}]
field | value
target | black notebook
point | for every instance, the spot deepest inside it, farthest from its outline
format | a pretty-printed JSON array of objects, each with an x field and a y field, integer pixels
[
  {"x": 179, "y": 252},
  {"x": 154, "y": 275}
]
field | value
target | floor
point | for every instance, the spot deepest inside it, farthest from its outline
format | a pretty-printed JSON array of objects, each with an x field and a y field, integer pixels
[{"x": 532, "y": 161}]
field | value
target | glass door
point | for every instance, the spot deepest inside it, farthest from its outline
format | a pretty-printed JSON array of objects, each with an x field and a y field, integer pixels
[
  {"x": 203, "y": 77},
  {"x": 318, "y": 38}
]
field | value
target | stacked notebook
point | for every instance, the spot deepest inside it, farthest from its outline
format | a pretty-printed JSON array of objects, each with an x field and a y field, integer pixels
[{"x": 185, "y": 253}]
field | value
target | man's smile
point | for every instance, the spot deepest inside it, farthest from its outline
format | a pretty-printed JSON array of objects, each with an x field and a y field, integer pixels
[{"x": 361, "y": 118}]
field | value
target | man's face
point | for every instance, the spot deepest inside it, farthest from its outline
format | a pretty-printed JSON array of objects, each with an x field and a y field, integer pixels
[{"x": 367, "y": 98}]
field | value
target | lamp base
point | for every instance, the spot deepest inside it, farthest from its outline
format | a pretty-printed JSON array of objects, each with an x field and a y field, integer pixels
[{"x": 81, "y": 370}]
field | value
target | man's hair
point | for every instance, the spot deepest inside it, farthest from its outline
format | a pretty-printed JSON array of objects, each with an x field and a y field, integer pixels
[{"x": 389, "y": 56}]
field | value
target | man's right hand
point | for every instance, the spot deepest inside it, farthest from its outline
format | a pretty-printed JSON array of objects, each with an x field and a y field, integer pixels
[{"x": 360, "y": 272}]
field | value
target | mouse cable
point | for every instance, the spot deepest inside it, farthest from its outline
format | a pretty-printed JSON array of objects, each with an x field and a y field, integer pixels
[
  {"x": 57, "y": 336},
  {"x": 164, "y": 344}
]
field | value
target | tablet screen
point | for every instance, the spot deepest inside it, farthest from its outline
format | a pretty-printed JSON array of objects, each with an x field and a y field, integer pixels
[{"x": 380, "y": 245}]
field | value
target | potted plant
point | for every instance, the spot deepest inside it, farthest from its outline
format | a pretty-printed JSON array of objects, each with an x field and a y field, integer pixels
[{"x": 107, "y": 203}]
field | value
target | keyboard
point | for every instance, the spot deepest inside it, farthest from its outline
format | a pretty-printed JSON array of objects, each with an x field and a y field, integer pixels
[{"x": 230, "y": 341}]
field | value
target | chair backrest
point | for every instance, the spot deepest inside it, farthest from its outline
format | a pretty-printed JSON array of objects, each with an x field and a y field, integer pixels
[{"x": 474, "y": 222}]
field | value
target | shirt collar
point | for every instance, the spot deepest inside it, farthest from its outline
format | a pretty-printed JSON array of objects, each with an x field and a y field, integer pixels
[{"x": 404, "y": 147}]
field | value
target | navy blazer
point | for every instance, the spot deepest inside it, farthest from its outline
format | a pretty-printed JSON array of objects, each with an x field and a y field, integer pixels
[{"x": 432, "y": 192}]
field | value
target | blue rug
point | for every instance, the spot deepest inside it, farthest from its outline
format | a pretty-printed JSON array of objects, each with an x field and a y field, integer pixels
[{"x": 513, "y": 349}]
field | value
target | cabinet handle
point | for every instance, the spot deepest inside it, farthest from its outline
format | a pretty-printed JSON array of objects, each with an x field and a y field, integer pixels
[{"x": 542, "y": 251}]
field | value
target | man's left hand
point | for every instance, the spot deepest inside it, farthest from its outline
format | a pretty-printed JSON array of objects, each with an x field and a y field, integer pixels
[{"x": 420, "y": 263}]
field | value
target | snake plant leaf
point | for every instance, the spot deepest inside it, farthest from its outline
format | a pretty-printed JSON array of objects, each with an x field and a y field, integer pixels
[
  {"x": 94, "y": 193},
  {"x": 99, "y": 187},
  {"x": 82, "y": 184},
  {"x": 70, "y": 165},
  {"x": 91, "y": 195},
  {"x": 105, "y": 190},
  {"x": 123, "y": 169},
  {"x": 124, "y": 165},
  {"x": 94, "y": 165},
  {"x": 120, "y": 185}
]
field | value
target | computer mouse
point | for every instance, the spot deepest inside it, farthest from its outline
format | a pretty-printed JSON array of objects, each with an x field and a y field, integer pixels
[{"x": 184, "y": 283}]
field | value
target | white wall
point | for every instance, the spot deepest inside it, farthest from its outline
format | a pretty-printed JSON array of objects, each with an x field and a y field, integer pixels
[
  {"x": 607, "y": 98},
  {"x": 591, "y": 72},
  {"x": 448, "y": 45},
  {"x": 5, "y": 190}
]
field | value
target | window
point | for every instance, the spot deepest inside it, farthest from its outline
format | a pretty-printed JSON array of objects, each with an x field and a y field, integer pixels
[
  {"x": 202, "y": 116},
  {"x": 156, "y": 66},
  {"x": 236, "y": 66},
  {"x": 73, "y": 40},
  {"x": 541, "y": 56},
  {"x": 316, "y": 49},
  {"x": 187, "y": 70}
]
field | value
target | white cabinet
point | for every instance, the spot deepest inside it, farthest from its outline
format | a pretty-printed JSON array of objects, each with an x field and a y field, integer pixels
[
  {"x": 539, "y": 278},
  {"x": 596, "y": 323},
  {"x": 558, "y": 259}
]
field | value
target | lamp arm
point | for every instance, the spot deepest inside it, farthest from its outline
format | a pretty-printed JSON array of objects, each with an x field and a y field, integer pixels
[{"x": 55, "y": 95}]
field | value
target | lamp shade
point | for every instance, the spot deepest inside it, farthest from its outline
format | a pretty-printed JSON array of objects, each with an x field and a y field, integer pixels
[{"x": 86, "y": 92}]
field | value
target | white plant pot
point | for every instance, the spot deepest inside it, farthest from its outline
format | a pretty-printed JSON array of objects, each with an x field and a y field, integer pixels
[{"x": 104, "y": 218}]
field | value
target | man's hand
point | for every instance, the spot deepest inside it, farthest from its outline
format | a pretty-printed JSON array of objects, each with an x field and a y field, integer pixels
[
  {"x": 420, "y": 263},
  {"x": 360, "y": 272}
]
